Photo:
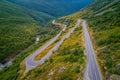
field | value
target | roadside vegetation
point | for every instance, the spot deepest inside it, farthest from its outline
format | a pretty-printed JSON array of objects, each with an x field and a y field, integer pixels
[
  {"x": 43, "y": 53},
  {"x": 67, "y": 63},
  {"x": 105, "y": 34}
]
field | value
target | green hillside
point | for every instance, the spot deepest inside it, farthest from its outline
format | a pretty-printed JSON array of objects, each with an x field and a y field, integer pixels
[
  {"x": 11, "y": 10},
  {"x": 18, "y": 28}
]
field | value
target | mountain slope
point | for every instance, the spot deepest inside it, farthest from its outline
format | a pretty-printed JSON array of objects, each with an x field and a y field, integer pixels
[
  {"x": 11, "y": 10},
  {"x": 53, "y": 7},
  {"x": 26, "y": 17}
]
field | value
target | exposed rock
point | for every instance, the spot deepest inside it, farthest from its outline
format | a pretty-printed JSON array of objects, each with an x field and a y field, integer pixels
[
  {"x": 79, "y": 78},
  {"x": 114, "y": 77},
  {"x": 107, "y": 74},
  {"x": 37, "y": 39},
  {"x": 50, "y": 74},
  {"x": 118, "y": 65},
  {"x": 62, "y": 69}
]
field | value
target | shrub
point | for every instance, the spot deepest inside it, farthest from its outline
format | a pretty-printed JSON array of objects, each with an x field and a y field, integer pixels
[
  {"x": 51, "y": 60},
  {"x": 64, "y": 51},
  {"x": 71, "y": 58},
  {"x": 77, "y": 69},
  {"x": 78, "y": 51}
]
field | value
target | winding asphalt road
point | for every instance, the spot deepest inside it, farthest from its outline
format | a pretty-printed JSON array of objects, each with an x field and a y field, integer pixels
[
  {"x": 92, "y": 70},
  {"x": 31, "y": 64}
]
